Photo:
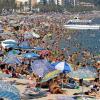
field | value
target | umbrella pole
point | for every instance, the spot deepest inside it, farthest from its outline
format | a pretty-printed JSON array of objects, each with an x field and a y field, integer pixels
[
  {"x": 82, "y": 91},
  {"x": 62, "y": 83}
]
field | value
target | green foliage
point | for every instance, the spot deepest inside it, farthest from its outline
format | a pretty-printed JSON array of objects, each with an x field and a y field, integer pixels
[
  {"x": 79, "y": 8},
  {"x": 7, "y": 4},
  {"x": 50, "y": 8},
  {"x": 90, "y": 1}
]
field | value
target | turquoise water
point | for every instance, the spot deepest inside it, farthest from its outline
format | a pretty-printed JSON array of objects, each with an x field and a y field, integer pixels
[{"x": 84, "y": 39}]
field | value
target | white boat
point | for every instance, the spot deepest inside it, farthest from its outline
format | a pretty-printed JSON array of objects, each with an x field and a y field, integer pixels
[{"x": 81, "y": 25}]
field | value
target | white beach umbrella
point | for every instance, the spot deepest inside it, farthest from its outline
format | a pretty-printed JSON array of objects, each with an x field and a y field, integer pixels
[
  {"x": 8, "y": 42},
  {"x": 35, "y": 35},
  {"x": 31, "y": 35}
]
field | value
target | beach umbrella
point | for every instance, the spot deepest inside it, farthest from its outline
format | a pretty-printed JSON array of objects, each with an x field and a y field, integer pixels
[
  {"x": 24, "y": 45},
  {"x": 35, "y": 35},
  {"x": 84, "y": 73},
  {"x": 29, "y": 35},
  {"x": 38, "y": 48},
  {"x": 9, "y": 43},
  {"x": 51, "y": 75},
  {"x": 62, "y": 66},
  {"x": 47, "y": 37},
  {"x": 13, "y": 52},
  {"x": 9, "y": 95},
  {"x": 11, "y": 46},
  {"x": 11, "y": 60},
  {"x": 30, "y": 55},
  {"x": 39, "y": 67},
  {"x": 8, "y": 91}
]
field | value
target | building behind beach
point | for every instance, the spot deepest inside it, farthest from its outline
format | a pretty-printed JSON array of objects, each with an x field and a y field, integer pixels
[
  {"x": 63, "y": 2},
  {"x": 31, "y": 3}
]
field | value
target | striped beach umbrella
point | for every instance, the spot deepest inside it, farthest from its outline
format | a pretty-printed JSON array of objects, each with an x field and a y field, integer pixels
[{"x": 62, "y": 66}]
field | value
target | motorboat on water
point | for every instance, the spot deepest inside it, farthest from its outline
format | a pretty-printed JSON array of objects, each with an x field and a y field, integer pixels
[{"x": 78, "y": 24}]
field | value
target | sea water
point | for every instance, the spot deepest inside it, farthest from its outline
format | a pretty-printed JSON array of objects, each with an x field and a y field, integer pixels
[{"x": 84, "y": 40}]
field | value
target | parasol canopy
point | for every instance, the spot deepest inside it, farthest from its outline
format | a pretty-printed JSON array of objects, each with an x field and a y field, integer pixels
[
  {"x": 13, "y": 52},
  {"x": 51, "y": 75},
  {"x": 38, "y": 48},
  {"x": 24, "y": 45},
  {"x": 11, "y": 60},
  {"x": 9, "y": 43},
  {"x": 30, "y": 55},
  {"x": 39, "y": 67},
  {"x": 62, "y": 66},
  {"x": 84, "y": 73},
  {"x": 29, "y": 35},
  {"x": 8, "y": 91}
]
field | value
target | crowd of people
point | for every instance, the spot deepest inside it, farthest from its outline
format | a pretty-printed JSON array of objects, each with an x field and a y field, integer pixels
[{"x": 51, "y": 31}]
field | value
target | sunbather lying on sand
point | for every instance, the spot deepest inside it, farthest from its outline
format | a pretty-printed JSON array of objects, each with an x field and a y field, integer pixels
[{"x": 54, "y": 88}]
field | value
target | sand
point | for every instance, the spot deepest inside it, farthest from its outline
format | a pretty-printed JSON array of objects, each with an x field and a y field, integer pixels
[
  {"x": 69, "y": 92},
  {"x": 49, "y": 96}
]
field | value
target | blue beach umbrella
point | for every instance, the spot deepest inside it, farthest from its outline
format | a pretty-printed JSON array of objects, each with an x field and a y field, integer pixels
[
  {"x": 9, "y": 43},
  {"x": 62, "y": 66},
  {"x": 86, "y": 74},
  {"x": 55, "y": 69},
  {"x": 8, "y": 91},
  {"x": 9, "y": 95},
  {"x": 38, "y": 48},
  {"x": 11, "y": 60},
  {"x": 24, "y": 45},
  {"x": 30, "y": 55},
  {"x": 13, "y": 52},
  {"x": 39, "y": 66},
  {"x": 11, "y": 46}
]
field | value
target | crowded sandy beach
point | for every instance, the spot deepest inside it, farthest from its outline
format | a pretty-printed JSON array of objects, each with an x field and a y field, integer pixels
[{"x": 33, "y": 65}]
